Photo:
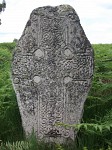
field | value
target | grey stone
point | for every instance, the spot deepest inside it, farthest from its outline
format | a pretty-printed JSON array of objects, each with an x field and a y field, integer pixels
[{"x": 52, "y": 70}]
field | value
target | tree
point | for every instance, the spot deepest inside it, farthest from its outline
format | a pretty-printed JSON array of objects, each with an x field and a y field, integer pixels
[{"x": 2, "y": 7}]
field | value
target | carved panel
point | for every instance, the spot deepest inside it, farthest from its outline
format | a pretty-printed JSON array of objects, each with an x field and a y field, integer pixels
[{"x": 52, "y": 69}]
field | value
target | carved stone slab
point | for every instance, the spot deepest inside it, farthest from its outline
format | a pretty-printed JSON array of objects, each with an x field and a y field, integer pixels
[{"x": 52, "y": 70}]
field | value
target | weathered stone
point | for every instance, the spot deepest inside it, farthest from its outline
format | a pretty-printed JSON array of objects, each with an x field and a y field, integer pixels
[{"x": 52, "y": 70}]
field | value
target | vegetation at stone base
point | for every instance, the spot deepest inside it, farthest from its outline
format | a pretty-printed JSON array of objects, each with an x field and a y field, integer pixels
[
  {"x": 10, "y": 122},
  {"x": 33, "y": 144},
  {"x": 95, "y": 131}
]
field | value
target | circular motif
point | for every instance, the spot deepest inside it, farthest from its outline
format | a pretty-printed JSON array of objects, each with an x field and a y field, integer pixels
[
  {"x": 67, "y": 79},
  {"x": 16, "y": 80},
  {"x": 39, "y": 54},
  {"x": 68, "y": 54},
  {"x": 47, "y": 38},
  {"x": 37, "y": 79}
]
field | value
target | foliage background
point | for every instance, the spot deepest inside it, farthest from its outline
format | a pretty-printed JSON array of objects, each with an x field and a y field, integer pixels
[
  {"x": 96, "y": 129},
  {"x": 10, "y": 122}
]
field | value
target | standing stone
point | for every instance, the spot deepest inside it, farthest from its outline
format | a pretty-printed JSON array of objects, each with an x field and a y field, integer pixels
[{"x": 52, "y": 70}]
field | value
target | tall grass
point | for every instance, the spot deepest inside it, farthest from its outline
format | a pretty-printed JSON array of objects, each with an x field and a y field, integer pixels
[
  {"x": 98, "y": 106},
  {"x": 95, "y": 130},
  {"x": 10, "y": 121}
]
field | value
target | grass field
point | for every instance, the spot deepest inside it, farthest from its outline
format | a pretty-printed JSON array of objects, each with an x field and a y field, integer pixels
[{"x": 95, "y": 130}]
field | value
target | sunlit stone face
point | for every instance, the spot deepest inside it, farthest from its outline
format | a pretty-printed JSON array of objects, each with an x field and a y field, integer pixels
[{"x": 52, "y": 70}]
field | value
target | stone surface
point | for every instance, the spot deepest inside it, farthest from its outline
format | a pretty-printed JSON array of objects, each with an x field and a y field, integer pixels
[{"x": 51, "y": 71}]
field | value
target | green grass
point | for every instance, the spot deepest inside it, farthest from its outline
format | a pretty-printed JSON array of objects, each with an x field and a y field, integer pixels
[
  {"x": 95, "y": 130},
  {"x": 10, "y": 122},
  {"x": 98, "y": 106}
]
